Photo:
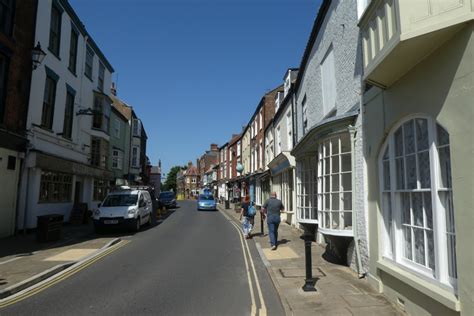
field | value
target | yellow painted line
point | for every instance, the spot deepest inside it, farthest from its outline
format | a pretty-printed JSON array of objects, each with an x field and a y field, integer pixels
[
  {"x": 263, "y": 309},
  {"x": 246, "y": 250},
  {"x": 252, "y": 294},
  {"x": 54, "y": 280}
]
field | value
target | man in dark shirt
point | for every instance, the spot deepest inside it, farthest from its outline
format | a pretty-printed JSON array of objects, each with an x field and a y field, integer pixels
[{"x": 271, "y": 210}]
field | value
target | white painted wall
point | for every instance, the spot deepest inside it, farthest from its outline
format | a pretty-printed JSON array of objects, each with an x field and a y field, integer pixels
[
  {"x": 50, "y": 142},
  {"x": 78, "y": 148}
]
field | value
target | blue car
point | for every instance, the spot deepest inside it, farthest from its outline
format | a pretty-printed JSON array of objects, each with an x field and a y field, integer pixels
[{"x": 206, "y": 202}]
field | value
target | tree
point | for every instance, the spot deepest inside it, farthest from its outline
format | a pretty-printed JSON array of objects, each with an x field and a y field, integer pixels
[{"x": 170, "y": 183}]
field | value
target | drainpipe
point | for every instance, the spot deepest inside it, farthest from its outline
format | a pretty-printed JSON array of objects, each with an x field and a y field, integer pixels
[
  {"x": 352, "y": 132},
  {"x": 28, "y": 144}
]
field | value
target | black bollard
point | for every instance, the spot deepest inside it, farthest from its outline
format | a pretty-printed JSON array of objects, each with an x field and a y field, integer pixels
[{"x": 308, "y": 237}]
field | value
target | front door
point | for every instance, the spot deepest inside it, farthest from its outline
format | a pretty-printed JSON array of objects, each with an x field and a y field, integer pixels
[{"x": 77, "y": 192}]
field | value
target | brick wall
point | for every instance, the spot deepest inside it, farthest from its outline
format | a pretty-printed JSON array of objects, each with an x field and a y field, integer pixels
[{"x": 20, "y": 45}]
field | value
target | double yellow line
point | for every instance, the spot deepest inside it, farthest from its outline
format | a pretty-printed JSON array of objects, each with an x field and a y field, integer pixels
[
  {"x": 262, "y": 311},
  {"x": 59, "y": 277}
]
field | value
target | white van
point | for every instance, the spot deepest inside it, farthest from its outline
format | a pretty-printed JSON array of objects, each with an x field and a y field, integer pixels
[{"x": 128, "y": 208}]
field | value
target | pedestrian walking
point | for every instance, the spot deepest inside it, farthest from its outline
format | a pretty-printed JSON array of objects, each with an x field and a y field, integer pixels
[
  {"x": 247, "y": 214},
  {"x": 271, "y": 210}
]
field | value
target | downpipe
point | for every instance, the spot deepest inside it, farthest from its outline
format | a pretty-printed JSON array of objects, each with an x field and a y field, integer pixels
[{"x": 353, "y": 133}]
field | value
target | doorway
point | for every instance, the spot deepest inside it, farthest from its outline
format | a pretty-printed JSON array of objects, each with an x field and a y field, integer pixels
[{"x": 78, "y": 192}]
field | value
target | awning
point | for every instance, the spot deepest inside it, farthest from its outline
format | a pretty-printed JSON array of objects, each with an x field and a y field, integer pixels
[{"x": 281, "y": 162}]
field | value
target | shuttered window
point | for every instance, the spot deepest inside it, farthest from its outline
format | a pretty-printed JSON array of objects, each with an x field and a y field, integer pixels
[{"x": 328, "y": 82}]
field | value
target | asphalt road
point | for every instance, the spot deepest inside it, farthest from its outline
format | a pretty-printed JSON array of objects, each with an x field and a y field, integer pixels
[{"x": 191, "y": 264}]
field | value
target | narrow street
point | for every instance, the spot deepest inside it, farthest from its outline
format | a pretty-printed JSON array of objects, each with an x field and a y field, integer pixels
[{"x": 191, "y": 264}]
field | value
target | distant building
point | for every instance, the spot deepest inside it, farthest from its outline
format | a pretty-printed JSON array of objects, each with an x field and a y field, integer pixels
[
  {"x": 155, "y": 178},
  {"x": 222, "y": 173},
  {"x": 191, "y": 181},
  {"x": 205, "y": 162}
]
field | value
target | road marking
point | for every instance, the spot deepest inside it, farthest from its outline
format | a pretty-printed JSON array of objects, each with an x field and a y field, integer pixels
[
  {"x": 245, "y": 248},
  {"x": 10, "y": 260},
  {"x": 58, "y": 277},
  {"x": 252, "y": 294},
  {"x": 263, "y": 310}
]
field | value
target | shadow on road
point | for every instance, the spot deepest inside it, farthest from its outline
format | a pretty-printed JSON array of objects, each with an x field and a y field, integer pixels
[{"x": 27, "y": 244}]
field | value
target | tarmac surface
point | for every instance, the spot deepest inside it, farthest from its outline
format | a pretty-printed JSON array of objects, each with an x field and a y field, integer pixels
[{"x": 193, "y": 263}]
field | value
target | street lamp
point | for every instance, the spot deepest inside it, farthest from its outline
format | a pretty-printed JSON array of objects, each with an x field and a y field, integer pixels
[{"x": 37, "y": 55}]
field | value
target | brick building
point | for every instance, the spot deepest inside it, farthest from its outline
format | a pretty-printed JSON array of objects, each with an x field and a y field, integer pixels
[
  {"x": 17, "y": 26},
  {"x": 205, "y": 162},
  {"x": 191, "y": 182},
  {"x": 258, "y": 123},
  {"x": 233, "y": 158},
  {"x": 222, "y": 173}
]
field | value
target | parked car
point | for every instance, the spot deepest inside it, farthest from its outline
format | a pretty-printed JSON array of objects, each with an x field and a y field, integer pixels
[
  {"x": 206, "y": 202},
  {"x": 167, "y": 199},
  {"x": 127, "y": 208}
]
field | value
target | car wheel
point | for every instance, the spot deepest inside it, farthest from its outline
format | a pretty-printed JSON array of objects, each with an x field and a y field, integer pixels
[{"x": 137, "y": 224}]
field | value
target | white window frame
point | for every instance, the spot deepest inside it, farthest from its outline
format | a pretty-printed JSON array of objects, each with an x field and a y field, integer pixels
[
  {"x": 289, "y": 130},
  {"x": 278, "y": 141},
  {"x": 117, "y": 159},
  {"x": 261, "y": 120},
  {"x": 136, "y": 127},
  {"x": 306, "y": 190},
  {"x": 331, "y": 176},
  {"x": 393, "y": 239}
]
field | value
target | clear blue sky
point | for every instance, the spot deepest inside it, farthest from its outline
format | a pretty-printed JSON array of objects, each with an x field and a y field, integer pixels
[{"x": 194, "y": 70}]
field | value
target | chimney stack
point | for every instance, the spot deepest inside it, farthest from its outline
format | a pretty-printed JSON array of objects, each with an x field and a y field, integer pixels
[{"x": 214, "y": 147}]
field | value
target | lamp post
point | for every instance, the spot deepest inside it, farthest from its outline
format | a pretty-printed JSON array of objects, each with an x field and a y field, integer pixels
[
  {"x": 37, "y": 55},
  {"x": 308, "y": 237}
]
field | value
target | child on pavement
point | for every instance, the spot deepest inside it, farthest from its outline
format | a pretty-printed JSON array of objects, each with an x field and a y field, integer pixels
[{"x": 247, "y": 222}]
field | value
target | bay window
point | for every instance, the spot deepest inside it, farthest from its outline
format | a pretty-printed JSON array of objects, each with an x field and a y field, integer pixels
[
  {"x": 306, "y": 190},
  {"x": 335, "y": 184}
]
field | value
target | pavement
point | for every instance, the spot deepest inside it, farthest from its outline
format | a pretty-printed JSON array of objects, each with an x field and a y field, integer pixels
[
  {"x": 25, "y": 262},
  {"x": 339, "y": 290}
]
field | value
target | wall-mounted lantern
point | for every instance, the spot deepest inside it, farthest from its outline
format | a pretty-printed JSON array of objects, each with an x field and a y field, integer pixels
[{"x": 37, "y": 55}]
